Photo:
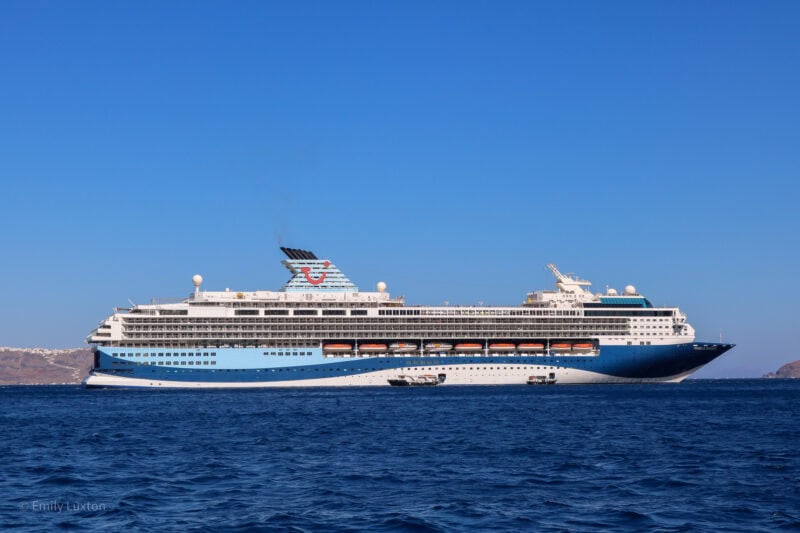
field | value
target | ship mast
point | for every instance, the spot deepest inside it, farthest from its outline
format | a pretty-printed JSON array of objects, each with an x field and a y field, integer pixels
[{"x": 567, "y": 283}]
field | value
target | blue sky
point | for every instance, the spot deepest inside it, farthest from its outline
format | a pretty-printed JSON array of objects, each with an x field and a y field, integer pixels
[{"x": 451, "y": 149}]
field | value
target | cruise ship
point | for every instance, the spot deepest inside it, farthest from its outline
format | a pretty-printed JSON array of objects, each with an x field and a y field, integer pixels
[{"x": 320, "y": 330}]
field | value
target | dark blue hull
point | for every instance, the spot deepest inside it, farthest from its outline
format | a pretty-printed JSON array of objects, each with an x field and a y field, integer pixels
[{"x": 307, "y": 366}]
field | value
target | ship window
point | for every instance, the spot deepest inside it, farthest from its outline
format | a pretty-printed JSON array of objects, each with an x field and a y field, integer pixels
[
  {"x": 246, "y": 312},
  {"x": 358, "y": 312},
  {"x": 276, "y": 311},
  {"x": 305, "y": 312},
  {"x": 330, "y": 312}
]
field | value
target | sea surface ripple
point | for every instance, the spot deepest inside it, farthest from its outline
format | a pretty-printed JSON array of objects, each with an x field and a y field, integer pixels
[{"x": 701, "y": 455}]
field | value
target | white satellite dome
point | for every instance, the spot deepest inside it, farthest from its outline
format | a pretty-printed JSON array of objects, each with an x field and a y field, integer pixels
[
  {"x": 381, "y": 286},
  {"x": 197, "y": 279},
  {"x": 630, "y": 290},
  {"x": 611, "y": 292}
]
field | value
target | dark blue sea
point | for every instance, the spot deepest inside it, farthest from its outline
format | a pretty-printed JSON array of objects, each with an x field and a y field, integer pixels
[{"x": 702, "y": 455}]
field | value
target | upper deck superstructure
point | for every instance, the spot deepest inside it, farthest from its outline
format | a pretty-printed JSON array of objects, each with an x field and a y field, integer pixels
[{"x": 319, "y": 308}]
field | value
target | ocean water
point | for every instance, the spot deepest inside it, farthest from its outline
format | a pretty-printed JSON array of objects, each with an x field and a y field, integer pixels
[{"x": 702, "y": 455}]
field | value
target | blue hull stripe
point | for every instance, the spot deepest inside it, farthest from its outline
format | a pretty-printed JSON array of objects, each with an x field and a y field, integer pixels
[{"x": 258, "y": 365}]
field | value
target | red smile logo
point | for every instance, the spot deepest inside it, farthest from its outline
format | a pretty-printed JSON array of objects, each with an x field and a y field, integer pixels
[{"x": 315, "y": 281}]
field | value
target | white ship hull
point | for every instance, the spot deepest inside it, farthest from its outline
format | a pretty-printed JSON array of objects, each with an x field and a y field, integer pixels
[{"x": 479, "y": 375}]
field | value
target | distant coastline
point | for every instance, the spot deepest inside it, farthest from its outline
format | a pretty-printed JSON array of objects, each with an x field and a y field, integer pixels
[
  {"x": 789, "y": 370},
  {"x": 42, "y": 366}
]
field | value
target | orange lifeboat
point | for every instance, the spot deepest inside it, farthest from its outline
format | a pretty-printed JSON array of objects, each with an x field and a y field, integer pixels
[
  {"x": 531, "y": 346},
  {"x": 469, "y": 347},
  {"x": 582, "y": 346},
  {"x": 502, "y": 347},
  {"x": 560, "y": 347},
  {"x": 335, "y": 347},
  {"x": 372, "y": 347}
]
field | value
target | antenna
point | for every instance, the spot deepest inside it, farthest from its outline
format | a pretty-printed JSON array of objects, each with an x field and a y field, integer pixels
[{"x": 131, "y": 302}]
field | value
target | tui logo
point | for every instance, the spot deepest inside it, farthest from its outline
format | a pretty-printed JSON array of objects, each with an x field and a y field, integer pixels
[{"x": 315, "y": 281}]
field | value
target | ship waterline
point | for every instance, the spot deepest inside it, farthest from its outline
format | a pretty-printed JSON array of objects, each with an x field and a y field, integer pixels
[{"x": 320, "y": 330}]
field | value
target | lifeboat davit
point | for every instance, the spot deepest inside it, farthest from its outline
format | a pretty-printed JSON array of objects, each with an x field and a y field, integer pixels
[
  {"x": 337, "y": 347},
  {"x": 531, "y": 346},
  {"x": 400, "y": 347},
  {"x": 502, "y": 347},
  {"x": 372, "y": 347},
  {"x": 438, "y": 347},
  {"x": 560, "y": 347},
  {"x": 469, "y": 347}
]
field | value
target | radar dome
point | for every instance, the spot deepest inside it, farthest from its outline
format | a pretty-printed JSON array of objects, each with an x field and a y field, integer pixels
[
  {"x": 197, "y": 279},
  {"x": 630, "y": 290},
  {"x": 381, "y": 286},
  {"x": 612, "y": 292}
]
